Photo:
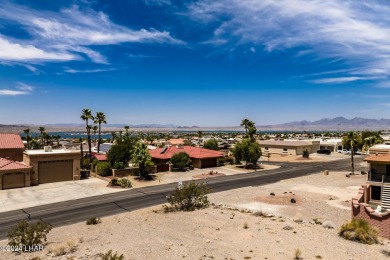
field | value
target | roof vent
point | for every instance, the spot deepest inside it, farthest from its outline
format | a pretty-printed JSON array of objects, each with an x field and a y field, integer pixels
[
  {"x": 47, "y": 149},
  {"x": 179, "y": 146}
]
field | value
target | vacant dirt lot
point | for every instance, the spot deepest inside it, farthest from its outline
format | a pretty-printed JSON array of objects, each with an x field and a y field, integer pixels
[{"x": 227, "y": 230}]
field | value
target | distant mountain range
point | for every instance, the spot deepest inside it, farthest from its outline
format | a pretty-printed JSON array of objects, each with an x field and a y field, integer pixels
[
  {"x": 117, "y": 125},
  {"x": 336, "y": 124},
  {"x": 325, "y": 124}
]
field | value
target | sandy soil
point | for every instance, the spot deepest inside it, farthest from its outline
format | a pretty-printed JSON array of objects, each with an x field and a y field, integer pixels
[{"x": 219, "y": 232}]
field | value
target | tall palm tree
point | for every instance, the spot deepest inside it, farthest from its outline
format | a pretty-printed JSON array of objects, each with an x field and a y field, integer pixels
[
  {"x": 127, "y": 131},
  {"x": 94, "y": 128},
  {"x": 81, "y": 147},
  {"x": 100, "y": 119},
  {"x": 86, "y": 115},
  {"x": 42, "y": 130},
  {"x": 246, "y": 123},
  {"x": 27, "y": 133},
  {"x": 113, "y": 136},
  {"x": 141, "y": 157},
  {"x": 57, "y": 138},
  {"x": 352, "y": 139}
]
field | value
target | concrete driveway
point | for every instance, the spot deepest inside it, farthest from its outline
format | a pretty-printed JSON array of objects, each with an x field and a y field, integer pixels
[{"x": 52, "y": 192}]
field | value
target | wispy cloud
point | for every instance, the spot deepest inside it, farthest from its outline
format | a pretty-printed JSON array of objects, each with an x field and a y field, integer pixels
[
  {"x": 73, "y": 71},
  {"x": 20, "y": 89},
  {"x": 11, "y": 51},
  {"x": 356, "y": 32},
  {"x": 62, "y": 36},
  {"x": 335, "y": 80}
]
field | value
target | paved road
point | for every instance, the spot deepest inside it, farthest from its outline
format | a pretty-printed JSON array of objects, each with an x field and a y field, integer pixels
[{"x": 69, "y": 212}]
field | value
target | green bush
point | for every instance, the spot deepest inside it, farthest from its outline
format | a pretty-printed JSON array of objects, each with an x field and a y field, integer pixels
[
  {"x": 230, "y": 160},
  {"x": 359, "y": 230},
  {"x": 104, "y": 169},
  {"x": 114, "y": 182},
  {"x": 93, "y": 165},
  {"x": 25, "y": 235},
  {"x": 124, "y": 183},
  {"x": 211, "y": 144},
  {"x": 189, "y": 197},
  {"x": 93, "y": 221},
  {"x": 181, "y": 160},
  {"x": 85, "y": 163},
  {"x": 305, "y": 153},
  {"x": 118, "y": 165},
  {"x": 110, "y": 256}
]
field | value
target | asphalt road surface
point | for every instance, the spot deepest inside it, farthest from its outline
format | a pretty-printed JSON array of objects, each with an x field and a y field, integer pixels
[{"x": 69, "y": 212}]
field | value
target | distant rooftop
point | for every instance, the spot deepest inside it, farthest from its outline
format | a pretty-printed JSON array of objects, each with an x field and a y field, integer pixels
[{"x": 381, "y": 146}]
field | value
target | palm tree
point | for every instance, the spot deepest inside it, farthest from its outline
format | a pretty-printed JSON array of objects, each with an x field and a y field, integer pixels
[
  {"x": 27, "y": 132},
  {"x": 100, "y": 119},
  {"x": 42, "y": 130},
  {"x": 81, "y": 147},
  {"x": 113, "y": 136},
  {"x": 94, "y": 128},
  {"x": 86, "y": 115},
  {"x": 57, "y": 138},
  {"x": 47, "y": 139},
  {"x": 246, "y": 123},
  {"x": 352, "y": 139},
  {"x": 140, "y": 157},
  {"x": 127, "y": 131}
]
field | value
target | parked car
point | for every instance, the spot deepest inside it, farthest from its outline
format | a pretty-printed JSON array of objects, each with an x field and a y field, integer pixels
[{"x": 324, "y": 151}]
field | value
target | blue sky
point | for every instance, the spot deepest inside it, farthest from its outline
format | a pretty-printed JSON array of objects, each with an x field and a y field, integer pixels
[{"x": 204, "y": 63}]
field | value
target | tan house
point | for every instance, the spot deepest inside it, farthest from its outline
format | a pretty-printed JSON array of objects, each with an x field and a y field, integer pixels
[
  {"x": 52, "y": 165},
  {"x": 11, "y": 146},
  {"x": 14, "y": 174},
  {"x": 288, "y": 147},
  {"x": 379, "y": 149}
]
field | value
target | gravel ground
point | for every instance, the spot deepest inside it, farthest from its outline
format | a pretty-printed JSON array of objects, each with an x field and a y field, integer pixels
[{"x": 219, "y": 232}]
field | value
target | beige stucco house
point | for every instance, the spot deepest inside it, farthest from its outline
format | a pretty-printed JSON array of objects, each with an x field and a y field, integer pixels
[
  {"x": 52, "y": 165},
  {"x": 288, "y": 147}
]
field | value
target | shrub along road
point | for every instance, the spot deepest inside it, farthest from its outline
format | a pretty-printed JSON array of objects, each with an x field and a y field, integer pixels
[{"x": 69, "y": 212}]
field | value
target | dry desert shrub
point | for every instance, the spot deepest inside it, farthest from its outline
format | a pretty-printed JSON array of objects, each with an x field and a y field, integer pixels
[
  {"x": 110, "y": 256},
  {"x": 297, "y": 254},
  {"x": 64, "y": 249},
  {"x": 359, "y": 230},
  {"x": 93, "y": 221}
]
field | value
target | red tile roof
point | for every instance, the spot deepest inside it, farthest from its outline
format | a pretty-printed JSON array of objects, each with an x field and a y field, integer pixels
[
  {"x": 100, "y": 157},
  {"x": 10, "y": 141},
  {"x": 6, "y": 164},
  {"x": 378, "y": 158},
  {"x": 193, "y": 152}
]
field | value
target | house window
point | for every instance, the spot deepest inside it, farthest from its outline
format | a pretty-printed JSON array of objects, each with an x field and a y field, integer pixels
[
  {"x": 266, "y": 148},
  {"x": 285, "y": 150}
]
